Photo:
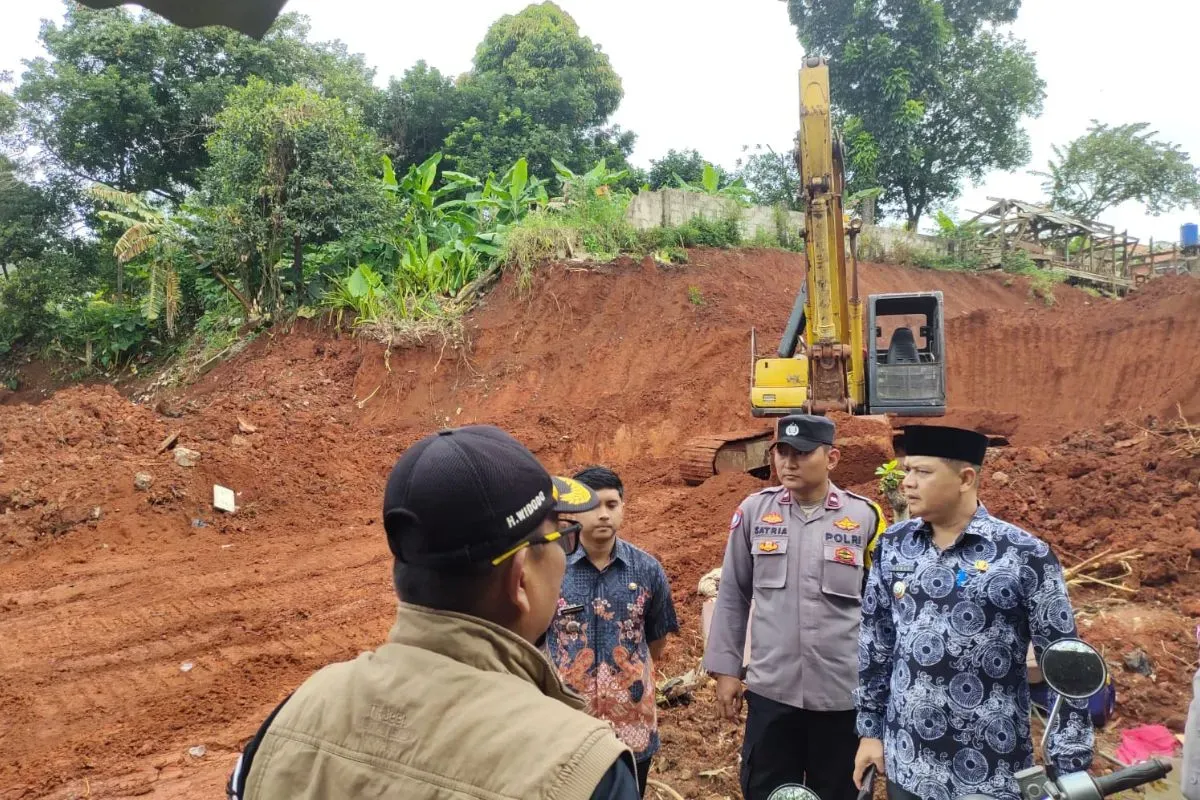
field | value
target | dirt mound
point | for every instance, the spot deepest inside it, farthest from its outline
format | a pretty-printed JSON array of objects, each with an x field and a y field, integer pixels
[{"x": 162, "y": 624}]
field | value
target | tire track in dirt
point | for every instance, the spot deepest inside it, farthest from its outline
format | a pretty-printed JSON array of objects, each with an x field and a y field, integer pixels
[
  {"x": 120, "y": 673},
  {"x": 1056, "y": 372}
]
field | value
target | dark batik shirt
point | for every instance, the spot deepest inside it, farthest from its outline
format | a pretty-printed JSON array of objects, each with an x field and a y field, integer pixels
[
  {"x": 942, "y": 653},
  {"x": 600, "y": 639}
]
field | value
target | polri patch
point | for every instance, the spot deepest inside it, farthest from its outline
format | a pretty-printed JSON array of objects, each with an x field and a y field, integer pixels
[
  {"x": 736, "y": 521},
  {"x": 837, "y": 537}
]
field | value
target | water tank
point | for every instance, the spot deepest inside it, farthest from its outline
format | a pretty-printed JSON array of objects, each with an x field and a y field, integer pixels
[{"x": 1189, "y": 235}]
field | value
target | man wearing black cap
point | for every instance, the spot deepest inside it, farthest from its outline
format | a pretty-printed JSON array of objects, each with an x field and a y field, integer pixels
[
  {"x": 800, "y": 552},
  {"x": 953, "y": 599},
  {"x": 460, "y": 701}
]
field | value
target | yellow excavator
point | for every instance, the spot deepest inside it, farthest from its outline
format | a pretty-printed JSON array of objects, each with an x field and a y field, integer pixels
[{"x": 822, "y": 363}]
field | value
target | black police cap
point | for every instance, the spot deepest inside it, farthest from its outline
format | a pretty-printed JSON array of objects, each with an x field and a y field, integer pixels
[{"x": 805, "y": 432}]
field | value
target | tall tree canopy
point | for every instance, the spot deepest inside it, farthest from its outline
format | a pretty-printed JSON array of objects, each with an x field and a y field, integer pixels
[
  {"x": 771, "y": 176},
  {"x": 1110, "y": 165},
  {"x": 541, "y": 91},
  {"x": 128, "y": 100},
  {"x": 32, "y": 216},
  {"x": 688, "y": 165},
  {"x": 288, "y": 168},
  {"x": 417, "y": 113},
  {"x": 927, "y": 92}
]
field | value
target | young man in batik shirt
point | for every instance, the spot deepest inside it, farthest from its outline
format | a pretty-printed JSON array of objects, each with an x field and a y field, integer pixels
[{"x": 614, "y": 616}]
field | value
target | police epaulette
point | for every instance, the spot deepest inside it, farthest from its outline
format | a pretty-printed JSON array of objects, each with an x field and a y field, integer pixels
[{"x": 865, "y": 499}]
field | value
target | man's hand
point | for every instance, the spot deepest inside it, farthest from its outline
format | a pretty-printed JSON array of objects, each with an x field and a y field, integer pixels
[
  {"x": 870, "y": 751},
  {"x": 729, "y": 696}
]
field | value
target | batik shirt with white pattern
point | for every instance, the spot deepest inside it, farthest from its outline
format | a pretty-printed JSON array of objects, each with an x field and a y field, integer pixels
[{"x": 942, "y": 653}]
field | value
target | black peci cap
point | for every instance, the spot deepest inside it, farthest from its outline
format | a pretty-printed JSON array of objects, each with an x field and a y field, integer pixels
[
  {"x": 944, "y": 442},
  {"x": 465, "y": 495},
  {"x": 805, "y": 432}
]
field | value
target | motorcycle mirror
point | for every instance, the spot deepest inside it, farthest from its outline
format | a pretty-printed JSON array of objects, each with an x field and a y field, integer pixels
[
  {"x": 1074, "y": 669},
  {"x": 792, "y": 791}
]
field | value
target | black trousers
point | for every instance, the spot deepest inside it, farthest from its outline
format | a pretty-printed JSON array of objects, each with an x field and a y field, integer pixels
[
  {"x": 895, "y": 792},
  {"x": 643, "y": 772},
  {"x": 784, "y": 745}
]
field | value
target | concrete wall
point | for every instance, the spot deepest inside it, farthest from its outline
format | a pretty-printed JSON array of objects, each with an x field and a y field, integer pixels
[{"x": 669, "y": 208}]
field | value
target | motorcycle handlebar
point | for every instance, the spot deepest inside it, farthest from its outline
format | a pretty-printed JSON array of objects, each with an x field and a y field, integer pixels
[{"x": 1148, "y": 772}]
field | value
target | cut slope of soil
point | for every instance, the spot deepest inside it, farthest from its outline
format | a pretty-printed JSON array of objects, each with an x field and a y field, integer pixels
[{"x": 620, "y": 365}]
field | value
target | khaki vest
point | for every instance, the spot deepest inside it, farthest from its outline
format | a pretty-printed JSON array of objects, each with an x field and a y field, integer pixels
[{"x": 450, "y": 707}]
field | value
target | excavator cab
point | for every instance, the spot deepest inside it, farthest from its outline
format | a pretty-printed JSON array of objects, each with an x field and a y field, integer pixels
[{"x": 906, "y": 364}]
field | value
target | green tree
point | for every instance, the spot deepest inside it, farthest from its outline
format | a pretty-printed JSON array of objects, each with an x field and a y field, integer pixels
[
  {"x": 128, "y": 100},
  {"x": 33, "y": 216},
  {"x": 538, "y": 90},
  {"x": 1110, "y": 165},
  {"x": 417, "y": 113},
  {"x": 927, "y": 93},
  {"x": 289, "y": 168},
  {"x": 688, "y": 165},
  {"x": 771, "y": 176}
]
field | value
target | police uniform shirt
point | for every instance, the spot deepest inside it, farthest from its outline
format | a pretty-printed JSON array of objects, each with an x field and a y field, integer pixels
[{"x": 805, "y": 576}]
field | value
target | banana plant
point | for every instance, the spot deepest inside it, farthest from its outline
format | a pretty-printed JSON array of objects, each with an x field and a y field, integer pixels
[
  {"x": 710, "y": 184},
  {"x": 148, "y": 231},
  {"x": 514, "y": 194},
  {"x": 596, "y": 182}
]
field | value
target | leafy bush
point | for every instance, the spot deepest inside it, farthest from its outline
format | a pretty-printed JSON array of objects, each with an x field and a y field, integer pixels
[
  {"x": 1018, "y": 262},
  {"x": 28, "y": 295},
  {"x": 108, "y": 332},
  {"x": 588, "y": 217},
  {"x": 696, "y": 232}
]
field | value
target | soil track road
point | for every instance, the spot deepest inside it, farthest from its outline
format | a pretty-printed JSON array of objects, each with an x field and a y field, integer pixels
[{"x": 153, "y": 625}]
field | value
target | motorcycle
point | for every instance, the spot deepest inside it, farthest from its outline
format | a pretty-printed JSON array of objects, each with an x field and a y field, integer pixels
[{"x": 1074, "y": 670}]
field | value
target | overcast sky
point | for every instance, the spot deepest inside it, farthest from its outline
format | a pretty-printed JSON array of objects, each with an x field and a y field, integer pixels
[{"x": 717, "y": 76}]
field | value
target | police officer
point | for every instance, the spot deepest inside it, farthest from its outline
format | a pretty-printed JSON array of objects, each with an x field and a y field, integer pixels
[{"x": 800, "y": 552}]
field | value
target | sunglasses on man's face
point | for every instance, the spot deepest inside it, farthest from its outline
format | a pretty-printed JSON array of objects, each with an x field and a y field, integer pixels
[{"x": 567, "y": 537}]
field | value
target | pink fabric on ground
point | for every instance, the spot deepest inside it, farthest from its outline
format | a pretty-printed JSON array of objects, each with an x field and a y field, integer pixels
[{"x": 1146, "y": 741}]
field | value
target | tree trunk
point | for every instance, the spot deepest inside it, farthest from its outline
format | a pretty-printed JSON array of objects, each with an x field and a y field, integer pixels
[
  {"x": 298, "y": 269},
  {"x": 234, "y": 291},
  {"x": 914, "y": 219}
]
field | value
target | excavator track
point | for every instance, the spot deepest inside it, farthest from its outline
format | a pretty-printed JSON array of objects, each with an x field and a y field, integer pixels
[
  {"x": 698, "y": 459},
  {"x": 705, "y": 456}
]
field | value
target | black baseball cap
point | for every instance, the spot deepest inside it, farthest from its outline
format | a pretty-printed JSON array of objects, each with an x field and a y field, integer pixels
[
  {"x": 805, "y": 432},
  {"x": 463, "y": 496}
]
